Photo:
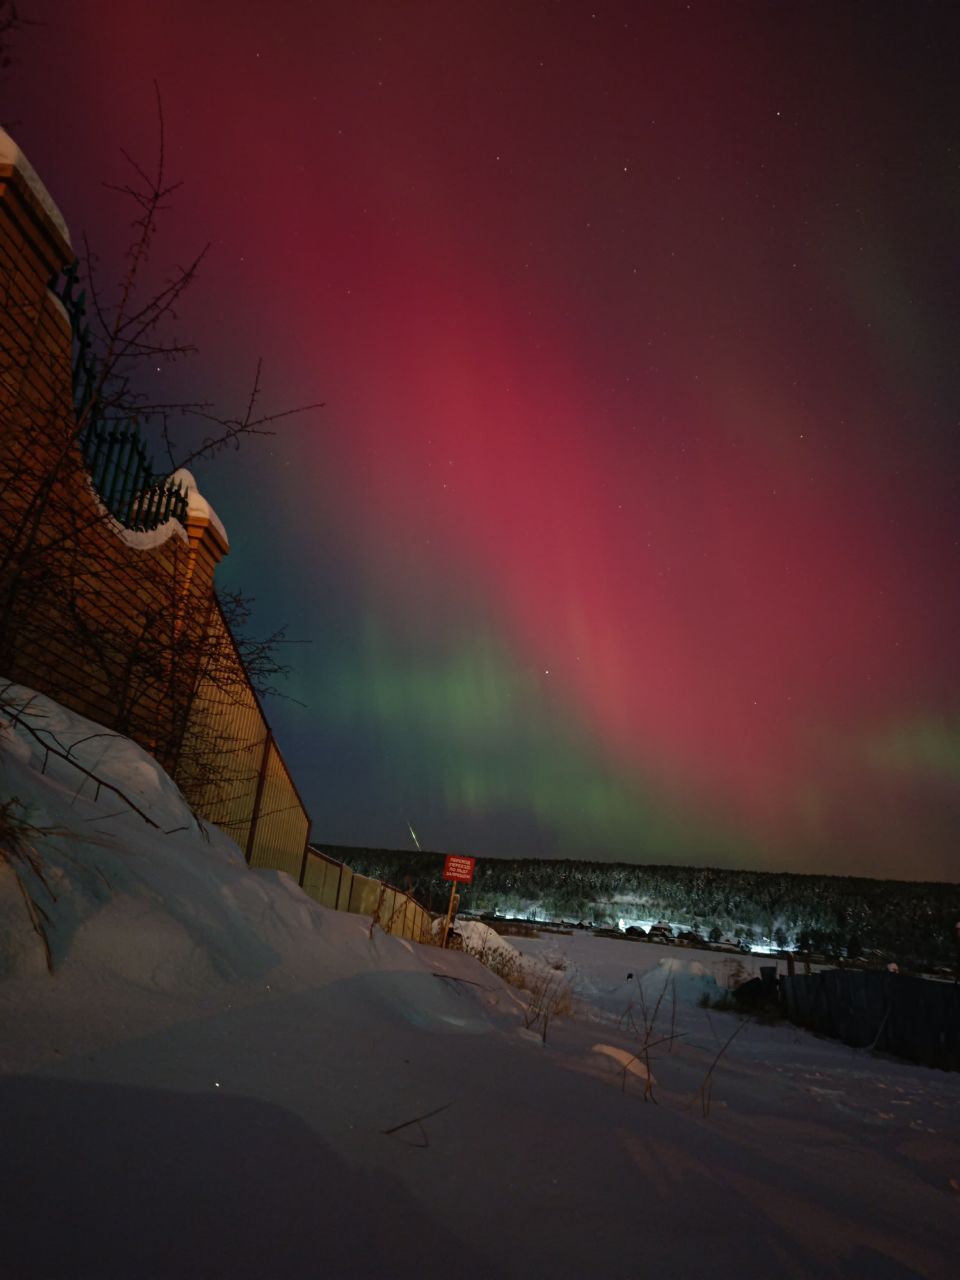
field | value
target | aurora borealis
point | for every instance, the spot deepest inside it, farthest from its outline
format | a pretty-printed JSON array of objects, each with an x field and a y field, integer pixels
[{"x": 630, "y": 528}]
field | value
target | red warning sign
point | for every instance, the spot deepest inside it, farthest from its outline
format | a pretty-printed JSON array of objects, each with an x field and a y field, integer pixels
[{"x": 457, "y": 868}]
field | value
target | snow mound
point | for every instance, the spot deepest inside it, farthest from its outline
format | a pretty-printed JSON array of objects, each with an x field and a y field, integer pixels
[
  {"x": 87, "y": 761},
  {"x": 682, "y": 980},
  {"x": 109, "y": 880},
  {"x": 497, "y": 954}
]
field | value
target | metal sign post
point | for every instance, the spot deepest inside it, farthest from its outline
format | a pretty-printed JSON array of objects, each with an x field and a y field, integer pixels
[{"x": 457, "y": 870}]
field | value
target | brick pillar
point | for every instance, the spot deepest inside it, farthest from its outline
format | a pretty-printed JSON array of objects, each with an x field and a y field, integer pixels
[
  {"x": 35, "y": 374},
  {"x": 208, "y": 541},
  {"x": 192, "y": 582},
  {"x": 31, "y": 218}
]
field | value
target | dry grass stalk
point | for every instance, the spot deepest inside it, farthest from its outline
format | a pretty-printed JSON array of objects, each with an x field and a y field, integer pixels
[
  {"x": 17, "y": 852},
  {"x": 647, "y": 1042},
  {"x": 550, "y": 994},
  {"x": 705, "y": 1091},
  {"x": 18, "y": 835},
  {"x": 375, "y": 918},
  {"x": 418, "y": 1121},
  {"x": 549, "y": 997}
]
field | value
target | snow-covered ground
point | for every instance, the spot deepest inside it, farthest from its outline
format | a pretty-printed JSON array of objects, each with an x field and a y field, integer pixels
[{"x": 221, "y": 1078}]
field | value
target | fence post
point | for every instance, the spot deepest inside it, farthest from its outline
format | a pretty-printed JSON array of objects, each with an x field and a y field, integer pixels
[{"x": 254, "y": 816}]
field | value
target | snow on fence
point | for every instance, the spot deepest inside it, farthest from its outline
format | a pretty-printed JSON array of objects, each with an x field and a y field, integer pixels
[
  {"x": 914, "y": 1018},
  {"x": 333, "y": 884}
]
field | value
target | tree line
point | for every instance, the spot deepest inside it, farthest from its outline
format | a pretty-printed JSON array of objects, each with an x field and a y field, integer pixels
[{"x": 907, "y": 921}]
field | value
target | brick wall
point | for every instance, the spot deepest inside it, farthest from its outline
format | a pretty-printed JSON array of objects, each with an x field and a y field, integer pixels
[{"x": 120, "y": 626}]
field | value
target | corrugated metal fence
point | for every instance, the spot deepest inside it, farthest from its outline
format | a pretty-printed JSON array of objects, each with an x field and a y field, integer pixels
[
  {"x": 230, "y": 768},
  {"x": 915, "y": 1018},
  {"x": 333, "y": 884}
]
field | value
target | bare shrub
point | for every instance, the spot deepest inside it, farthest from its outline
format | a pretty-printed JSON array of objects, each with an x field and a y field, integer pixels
[
  {"x": 17, "y": 851},
  {"x": 550, "y": 997},
  {"x": 549, "y": 992},
  {"x": 646, "y": 1030}
]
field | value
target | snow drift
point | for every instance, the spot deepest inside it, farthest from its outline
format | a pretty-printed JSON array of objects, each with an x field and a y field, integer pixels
[
  {"x": 110, "y": 867},
  {"x": 221, "y": 1078}
]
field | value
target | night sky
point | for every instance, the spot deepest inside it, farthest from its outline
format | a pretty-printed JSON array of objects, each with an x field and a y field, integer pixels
[{"x": 630, "y": 528}]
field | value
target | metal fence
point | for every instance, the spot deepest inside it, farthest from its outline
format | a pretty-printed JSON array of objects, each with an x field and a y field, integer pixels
[
  {"x": 85, "y": 369},
  {"x": 230, "y": 768},
  {"x": 914, "y": 1018},
  {"x": 115, "y": 454},
  {"x": 124, "y": 479},
  {"x": 333, "y": 884}
]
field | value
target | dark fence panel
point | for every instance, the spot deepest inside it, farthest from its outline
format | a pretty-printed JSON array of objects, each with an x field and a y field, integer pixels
[{"x": 913, "y": 1018}]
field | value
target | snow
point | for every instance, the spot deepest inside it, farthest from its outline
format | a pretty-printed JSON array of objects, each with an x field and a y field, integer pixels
[
  {"x": 147, "y": 539},
  {"x": 198, "y": 508},
  {"x": 10, "y": 154},
  {"x": 60, "y": 309},
  {"x": 501, "y": 956},
  {"x": 138, "y": 539},
  {"x": 222, "y": 1078}
]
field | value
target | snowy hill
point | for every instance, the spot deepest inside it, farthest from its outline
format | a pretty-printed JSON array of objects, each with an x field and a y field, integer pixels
[
  {"x": 135, "y": 896},
  {"x": 221, "y": 1078}
]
